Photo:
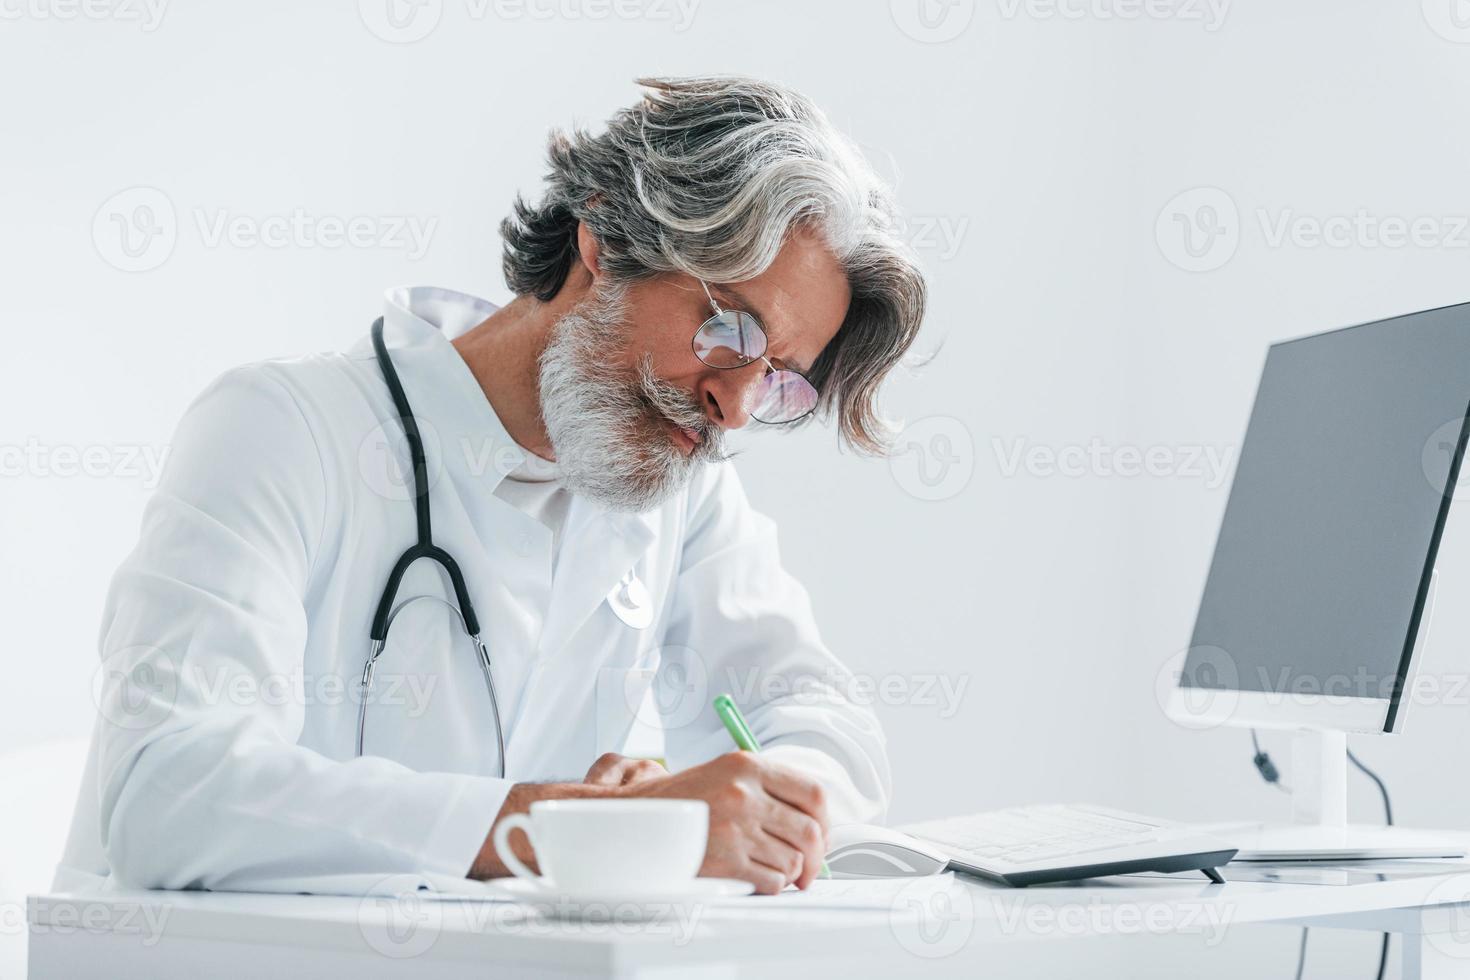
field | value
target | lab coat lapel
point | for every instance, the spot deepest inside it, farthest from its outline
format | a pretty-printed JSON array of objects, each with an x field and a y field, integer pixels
[{"x": 599, "y": 546}]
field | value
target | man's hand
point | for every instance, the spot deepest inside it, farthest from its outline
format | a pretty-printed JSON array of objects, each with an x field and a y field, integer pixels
[
  {"x": 612, "y": 769},
  {"x": 767, "y": 823}
]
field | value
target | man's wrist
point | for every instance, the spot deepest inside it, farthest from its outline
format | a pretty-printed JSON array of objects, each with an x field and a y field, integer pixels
[{"x": 487, "y": 863}]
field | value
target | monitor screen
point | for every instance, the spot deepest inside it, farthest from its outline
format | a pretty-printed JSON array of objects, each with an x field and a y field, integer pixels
[{"x": 1335, "y": 512}]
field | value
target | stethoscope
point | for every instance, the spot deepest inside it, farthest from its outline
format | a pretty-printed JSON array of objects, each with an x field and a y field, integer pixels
[{"x": 425, "y": 548}]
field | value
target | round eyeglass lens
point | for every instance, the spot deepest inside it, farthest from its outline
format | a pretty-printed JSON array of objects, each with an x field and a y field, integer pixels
[
  {"x": 729, "y": 340},
  {"x": 782, "y": 396}
]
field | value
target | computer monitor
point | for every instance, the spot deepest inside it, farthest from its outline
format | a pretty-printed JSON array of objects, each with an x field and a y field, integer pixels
[{"x": 1319, "y": 593}]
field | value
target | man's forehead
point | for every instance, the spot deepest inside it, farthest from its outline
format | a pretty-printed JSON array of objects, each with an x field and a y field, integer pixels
[{"x": 801, "y": 300}]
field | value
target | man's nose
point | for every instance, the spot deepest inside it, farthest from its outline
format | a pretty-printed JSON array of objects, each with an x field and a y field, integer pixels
[{"x": 727, "y": 392}]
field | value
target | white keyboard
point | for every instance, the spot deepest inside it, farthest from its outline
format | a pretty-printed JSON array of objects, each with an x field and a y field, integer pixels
[{"x": 1029, "y": 845}]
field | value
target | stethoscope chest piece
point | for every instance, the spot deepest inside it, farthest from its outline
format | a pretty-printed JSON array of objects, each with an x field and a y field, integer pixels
[{"x": 630, "y": 601}]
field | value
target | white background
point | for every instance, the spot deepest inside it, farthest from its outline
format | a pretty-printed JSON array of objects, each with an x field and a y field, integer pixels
[{"x": 1038, "y": 149}]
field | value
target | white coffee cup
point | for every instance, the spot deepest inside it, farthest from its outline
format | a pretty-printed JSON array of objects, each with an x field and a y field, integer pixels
[{"x": 610, "y": 845}]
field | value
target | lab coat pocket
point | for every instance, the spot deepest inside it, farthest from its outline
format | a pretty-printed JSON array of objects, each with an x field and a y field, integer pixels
[{"x": 626, "y": 723}]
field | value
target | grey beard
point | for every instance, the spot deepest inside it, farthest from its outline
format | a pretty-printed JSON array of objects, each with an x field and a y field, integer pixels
[{"x": 610, "y": 432}]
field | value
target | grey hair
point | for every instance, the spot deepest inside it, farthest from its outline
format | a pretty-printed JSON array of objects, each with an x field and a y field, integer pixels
[{"x": 709, "y": 177}]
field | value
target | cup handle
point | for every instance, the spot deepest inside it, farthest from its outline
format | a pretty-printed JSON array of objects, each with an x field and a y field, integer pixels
[{"x": 501, "y": 840}]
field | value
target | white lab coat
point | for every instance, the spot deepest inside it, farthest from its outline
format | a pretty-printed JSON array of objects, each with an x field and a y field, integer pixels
[{"x": 235, "y": 632}]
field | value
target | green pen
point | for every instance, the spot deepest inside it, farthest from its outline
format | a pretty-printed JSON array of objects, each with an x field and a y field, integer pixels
[{"x": 744, "y": 738}]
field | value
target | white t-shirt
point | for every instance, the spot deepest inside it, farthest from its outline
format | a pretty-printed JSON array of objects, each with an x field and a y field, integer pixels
[{"x": 535, "y": 489}]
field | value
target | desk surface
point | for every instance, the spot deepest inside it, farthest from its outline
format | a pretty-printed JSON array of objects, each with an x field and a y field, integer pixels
[{"x": 136, "y": 933}]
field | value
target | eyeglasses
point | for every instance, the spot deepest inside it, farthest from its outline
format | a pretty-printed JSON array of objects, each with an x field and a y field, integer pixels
[{"x": 732, "y": 339}]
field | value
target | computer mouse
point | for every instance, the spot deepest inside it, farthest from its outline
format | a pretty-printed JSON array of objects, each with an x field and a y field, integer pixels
[{"x": 859, "y": 850}]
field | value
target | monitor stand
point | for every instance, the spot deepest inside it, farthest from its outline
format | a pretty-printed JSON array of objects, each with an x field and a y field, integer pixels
[{"x": 1319, "y": 830}]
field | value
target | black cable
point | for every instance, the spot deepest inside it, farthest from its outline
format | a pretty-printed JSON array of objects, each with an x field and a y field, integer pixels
[
  {"x": 1272, "y": 776},
  {"x": 1388, "y": 819},
  {"x": 1264, "y": 765},
  {"x": 1301, "y": 959},
  {"x": 1387, "y": 806}
]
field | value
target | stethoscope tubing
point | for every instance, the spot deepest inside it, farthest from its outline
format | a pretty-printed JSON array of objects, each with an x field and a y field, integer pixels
[{"x": 424, "y": 548}]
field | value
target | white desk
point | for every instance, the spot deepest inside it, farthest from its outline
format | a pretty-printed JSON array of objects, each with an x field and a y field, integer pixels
[{"x": 149, "y": 935}]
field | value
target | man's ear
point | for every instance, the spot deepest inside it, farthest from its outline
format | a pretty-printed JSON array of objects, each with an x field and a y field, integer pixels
[{"x": 588, "y": 248}]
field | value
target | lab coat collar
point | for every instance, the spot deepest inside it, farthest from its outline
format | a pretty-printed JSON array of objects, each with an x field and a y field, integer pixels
[
  {"x": 598, "y": 548},
  {"x": 418, "y": 323},
  {"x": 599, "y": 545}
]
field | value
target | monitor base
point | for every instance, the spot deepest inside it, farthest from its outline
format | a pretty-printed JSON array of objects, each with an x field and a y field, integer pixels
[{"x": 1349, "y": 842}]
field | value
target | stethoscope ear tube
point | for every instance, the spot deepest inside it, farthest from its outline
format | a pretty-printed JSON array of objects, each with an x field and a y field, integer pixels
[
  {"x": 410, "y": 431},
  {"x": 425, "y": 548}
]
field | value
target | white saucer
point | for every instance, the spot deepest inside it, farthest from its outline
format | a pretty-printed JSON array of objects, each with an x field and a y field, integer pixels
[{"x": 619, "y": 901}]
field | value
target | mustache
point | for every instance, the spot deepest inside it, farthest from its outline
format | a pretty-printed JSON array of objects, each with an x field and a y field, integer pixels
[{"x": 679, "y": 407}]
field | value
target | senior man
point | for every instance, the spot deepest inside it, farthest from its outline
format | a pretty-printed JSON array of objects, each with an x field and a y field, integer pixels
[{"x": 276, "y": 701}]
